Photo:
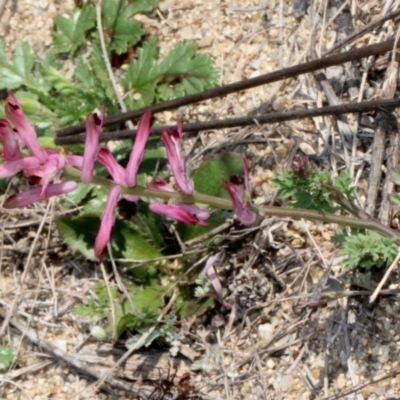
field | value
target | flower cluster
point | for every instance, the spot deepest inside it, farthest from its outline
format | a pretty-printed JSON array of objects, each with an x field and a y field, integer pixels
[{"x": 43, "y": 167}]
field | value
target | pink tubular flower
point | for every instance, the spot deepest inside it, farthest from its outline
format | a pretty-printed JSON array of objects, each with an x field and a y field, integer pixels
[
  {"x": 239, "y": 193},
  {"x": 25, "y": 131},
  {"x": 47, "y": 172},
  {"x": 201, "y": 213},
  {"x": 172, "y": 139},
  {"x": 209, "y": 270},
  {"x": 107, "y": 221},
  {"x": 28, "y": 197},
  {"x": 93, "y": 129},
  {"x": 74, "y": 160},
  {"x": 138, "y": 149},
  {"x": 189, "y": 215},
  {"x": 10, "y": 141},
  {"x": 117, "y": 172},
  {"x": 11, "y": 168}
]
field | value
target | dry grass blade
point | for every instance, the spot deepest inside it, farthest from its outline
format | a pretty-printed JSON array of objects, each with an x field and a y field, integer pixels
[
  {"x": 16, "y": 373},
  {"x": 72, "y": 360}
]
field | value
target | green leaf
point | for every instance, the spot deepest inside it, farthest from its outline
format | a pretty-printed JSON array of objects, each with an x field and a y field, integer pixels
[
  {"x": 181, "y": 72},
  {"x": 186, "y": 306},
  {"x": 155, "y": 334},
  {"x": 185, "y": 72},
  {"x": 141, "y": 6},
  {"x": 24, "y": 60},
  {"x": 126, "y": 323},
  {"x": 122, "y": 30},
  {"x": 7, "y": 356},
  {"x": 147, "y": 299},
  {"x": 344, "y": 183},
  {"x": 188, "y": 232},
  {"x": 101, "y": 78},
  {"x": 19, "y": 72},
  {"x": 151, "y": 224},
  {"x": 54, "y": 76},
  {"x": 367, "y": 250},
  {"x": 396, "y": 177},
  {"x": 208, "y": 179},
  {"x": 142, "y": 74},
  {"x": 79, "y": 194},
  {"x": 126, "y": 242},
  {"x": 305, "y": 191},
  {"x": 209, "y": 176},
  {"x": 396, "y": 201},
  {"x": 98, "y": 306},
  {"x": 70, "y": 34}
]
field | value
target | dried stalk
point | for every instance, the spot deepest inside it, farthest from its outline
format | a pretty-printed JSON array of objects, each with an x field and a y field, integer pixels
[
  {"x": 246, "y": 121},
  {"x": 285, "y": 73}
]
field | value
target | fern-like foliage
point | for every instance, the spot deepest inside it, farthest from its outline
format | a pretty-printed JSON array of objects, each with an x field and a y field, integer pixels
[{"x": 72, "y": 80}]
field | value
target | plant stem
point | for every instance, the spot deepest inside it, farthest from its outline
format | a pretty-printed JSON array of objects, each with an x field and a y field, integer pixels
[{"x": 226, "y": 204}]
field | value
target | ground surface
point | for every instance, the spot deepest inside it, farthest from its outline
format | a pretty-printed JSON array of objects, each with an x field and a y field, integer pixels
[{"x": 268, "y": 347}]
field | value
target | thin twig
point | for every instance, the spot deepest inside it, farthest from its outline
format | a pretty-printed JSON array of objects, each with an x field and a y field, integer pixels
[
  {"x": 16, "y": 373},
  {"x": 355, "y": 35},
  {"x": 110, "y": 296},
  {"x": 384, "y": 279},
  {"x": 26, "y": 269},
  {"x": 245, "y": 121},
  {"x": 107, "y": 62},
  {"x": 121, "y": 285},
  {"x": 285, "y": 73},
  {"x": 32, "y": 335}
]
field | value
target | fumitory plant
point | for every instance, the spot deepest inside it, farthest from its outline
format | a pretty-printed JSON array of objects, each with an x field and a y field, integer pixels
[
  {"x": 44, "y": 168},
  {"x": 53, "y": 172}
]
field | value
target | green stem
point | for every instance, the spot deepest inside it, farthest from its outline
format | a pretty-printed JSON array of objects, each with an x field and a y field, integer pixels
[
  {"x": 226, "y": 204},
  {"x": 312, "y": 215},
  {"x": 141, "y": 191}
]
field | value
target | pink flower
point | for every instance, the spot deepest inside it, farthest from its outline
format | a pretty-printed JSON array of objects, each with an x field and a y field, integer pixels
[
  {"x": 188, "y": 213},
  {"x": 25, "y": 131},
  {"x": 74, "y": 160},
  {"x": 239, "y": 193},
  {"x": 107, "y": 221},
  {"x": 47, "y": 172},
  {"x": 201, "y": 213},
  {"x": 28, "y": 197},
  {"x": 93, "y": 129},
  {"x": 117, "y": 172},
  {"x": 138, "y": 149},
  {"x": 210, "y": 271},
  {"x": 11, "y": 168},
  {"x": 172, "y": 139},
  {"x": 10, "y": 141}
]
